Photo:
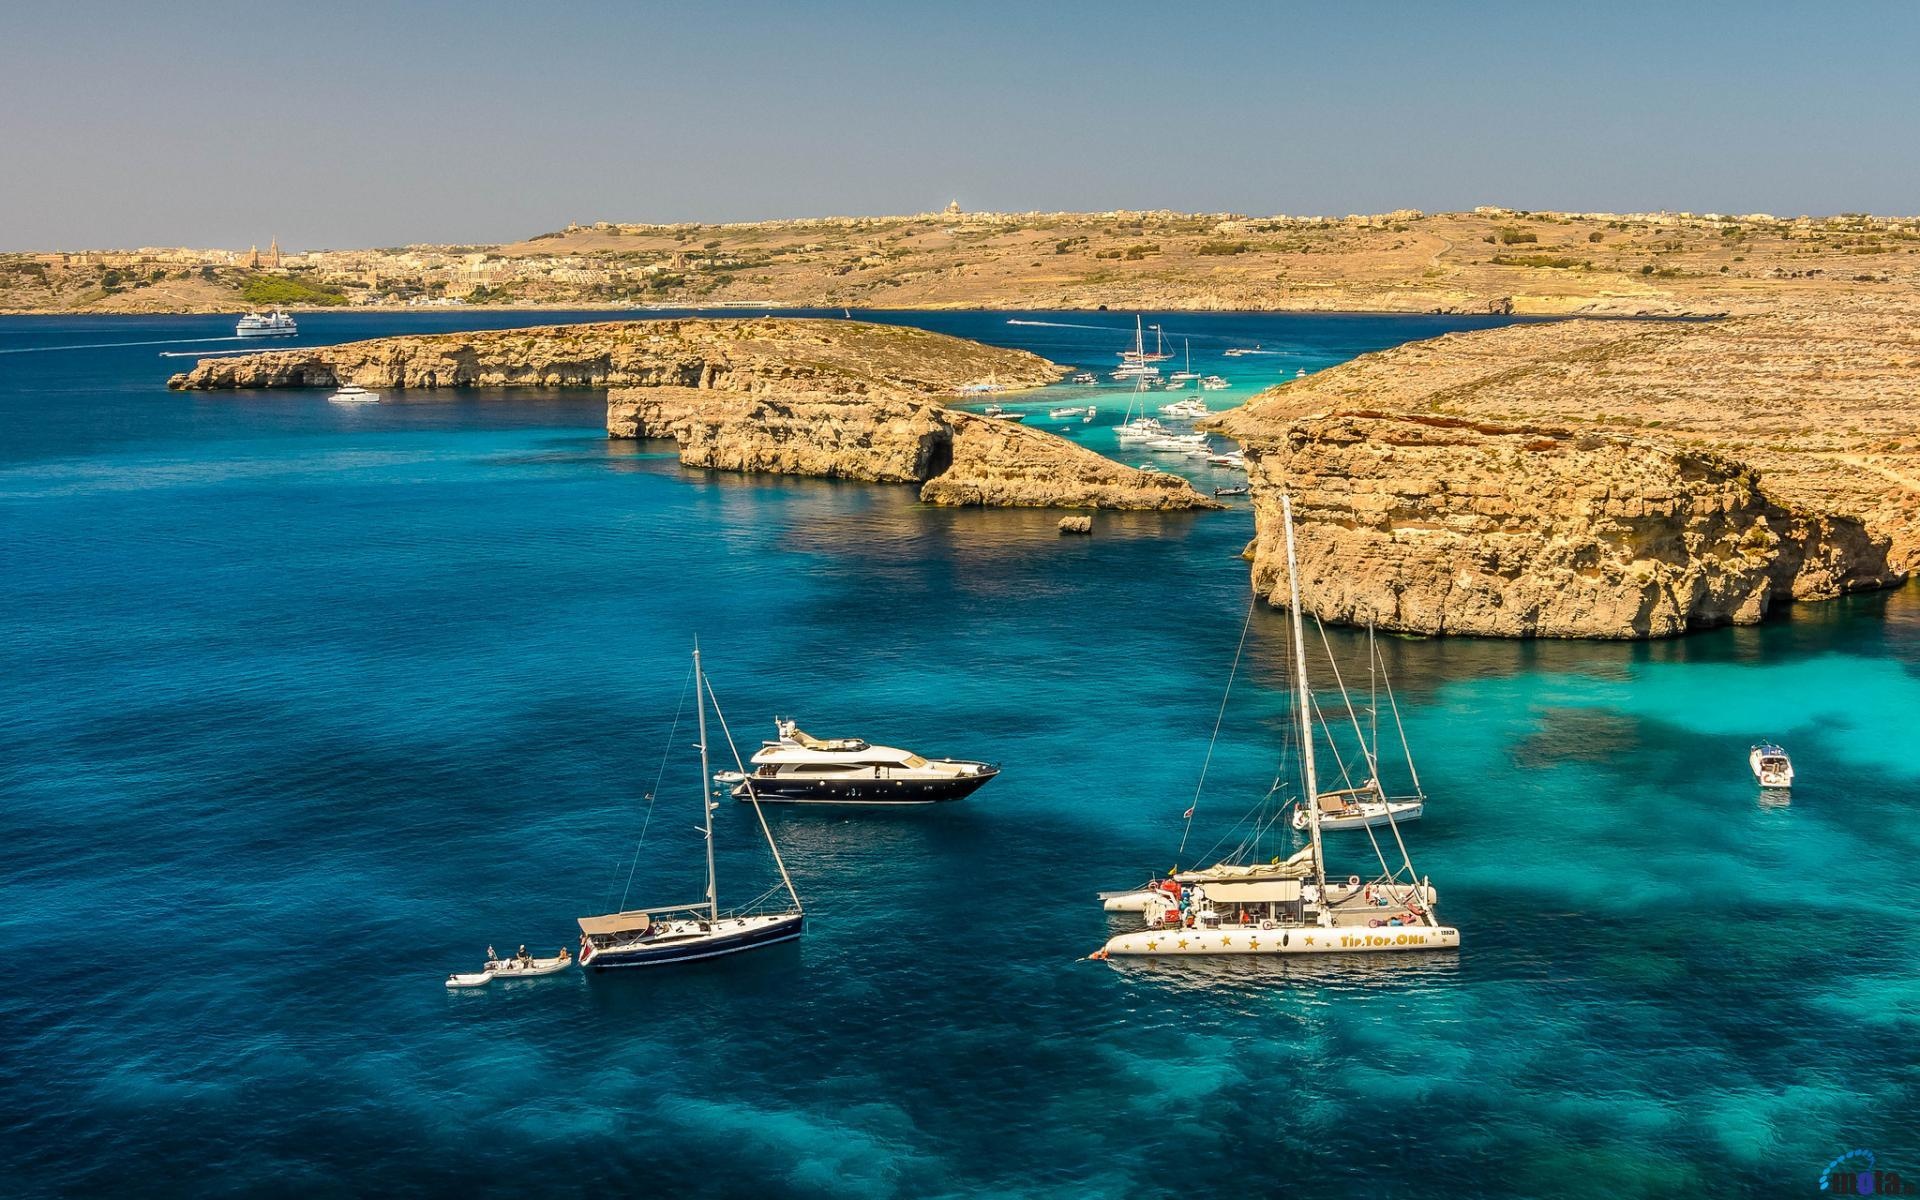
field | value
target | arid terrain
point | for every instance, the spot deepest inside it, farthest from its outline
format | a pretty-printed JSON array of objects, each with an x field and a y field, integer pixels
[
  {"x": 1599, "y": 478},
  {"x": 1491, "y": 259}
]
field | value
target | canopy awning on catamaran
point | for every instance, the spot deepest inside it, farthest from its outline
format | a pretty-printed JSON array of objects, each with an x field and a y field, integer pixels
[{"x": 1266, "y": 891}]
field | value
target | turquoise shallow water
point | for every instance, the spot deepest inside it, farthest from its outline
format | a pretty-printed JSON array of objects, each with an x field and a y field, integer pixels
[{"x": 301, "y": 707}]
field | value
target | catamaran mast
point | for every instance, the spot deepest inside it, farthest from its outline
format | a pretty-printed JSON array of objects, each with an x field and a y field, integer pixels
[
  {"x": 1304, "y": 701},
  {"x": 706, "y": 782}
]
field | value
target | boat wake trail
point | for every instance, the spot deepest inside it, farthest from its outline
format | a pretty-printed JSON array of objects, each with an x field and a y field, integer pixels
[
  {"x": 117, "y": 345},
  {"x": 1067, "y": 325}
]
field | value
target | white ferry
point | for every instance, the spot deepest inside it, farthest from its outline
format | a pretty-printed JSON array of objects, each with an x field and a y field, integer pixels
[{"x": 273, "y": 324}]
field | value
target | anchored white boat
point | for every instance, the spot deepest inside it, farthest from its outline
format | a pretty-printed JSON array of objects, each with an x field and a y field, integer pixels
[
  {"x": 273, "y": 324},
  {"x": 1771, "y": 766},
  {"x": 1290, "y": 906},
  {"x": 1002, "y": 414},
  {"x": 1193, "y": 408},
  {"x": 1084, "y": 378},
  {"x": 1364, "y": 807},
  {"x": 798, "y": 768},
  {"x": 1232, "y": 460},
  {"x": 350, "y": 394},
  {"x": 1085, "y": 412},
  {"x": 1189, "y": 373},
  {"x": 674, "y": 933},
  {"x": 518, "y": 966},
  {"x": 1215, "y": 383}
]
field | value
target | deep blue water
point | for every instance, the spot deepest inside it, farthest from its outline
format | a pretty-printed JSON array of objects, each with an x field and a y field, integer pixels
[{"x": 301, "y": 707}]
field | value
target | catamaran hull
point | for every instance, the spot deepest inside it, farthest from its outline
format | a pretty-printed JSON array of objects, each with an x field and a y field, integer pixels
[
  {"x": 865, "y": 791},
  {"x": 751, "y": 935},
  {"x": 1244, "y": 941}
]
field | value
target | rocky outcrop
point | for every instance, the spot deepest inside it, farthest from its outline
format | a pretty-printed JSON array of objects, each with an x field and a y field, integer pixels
[
  {"x": 757, "y": 355},
  {"x": 1595, "y": 479},
  {"x": 957, "y": 458}
]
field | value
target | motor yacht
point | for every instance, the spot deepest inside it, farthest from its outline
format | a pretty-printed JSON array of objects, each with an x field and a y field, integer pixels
[
  {"x": 1771, "y": 766},
  {"x": 798, "y": 768},
  {"x": 351, "y": 394}
]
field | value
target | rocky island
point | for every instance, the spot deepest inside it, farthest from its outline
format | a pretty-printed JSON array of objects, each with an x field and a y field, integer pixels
[
  {"x": 1597, "y": 478},
  {"x": 848, "y": 399}
]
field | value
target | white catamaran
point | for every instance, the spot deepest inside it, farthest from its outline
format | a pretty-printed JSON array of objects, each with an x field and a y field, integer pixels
[
  {"x": 646, "y": 937},
  {"x": 1285, "y": 906}
]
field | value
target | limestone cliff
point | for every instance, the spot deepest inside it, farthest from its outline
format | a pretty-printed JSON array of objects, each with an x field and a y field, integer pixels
[
  {"x": 765, "y": 354},
  {"x": 1596, "y": 479},
  {"x": 958, "y": 458}
]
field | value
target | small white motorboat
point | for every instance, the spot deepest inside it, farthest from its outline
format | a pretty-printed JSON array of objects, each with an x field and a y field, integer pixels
[
  {"x": 1065, "y": 414},
  {"x": 525, "y": 966},
  {"x": 1085, "y": 378},
  {"x": 1215, "y": 383},
  {"x": 350, "y": 394},
  {"x": 477, "y": 979},
  {"x": 1361, "y": 808},
  {"x": 1001, "y": 414},
  {"x": 1771, "y": 766}
]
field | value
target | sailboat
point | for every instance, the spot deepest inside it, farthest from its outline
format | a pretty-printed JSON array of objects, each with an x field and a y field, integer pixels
[
  {"x": 1141, "y": 428},
  {"x": 1137, "y": 363},
  {"x": 1189, "y": 373},
  {"x": 646, "y": 937},
  {"x": 1291, "y": 906}
]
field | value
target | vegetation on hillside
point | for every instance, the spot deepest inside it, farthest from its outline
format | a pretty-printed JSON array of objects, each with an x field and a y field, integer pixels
[{"x": 280, "y": 289}]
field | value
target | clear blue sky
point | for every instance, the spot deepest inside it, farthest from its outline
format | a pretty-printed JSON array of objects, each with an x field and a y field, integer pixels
[{"x": 343, "y": 124}]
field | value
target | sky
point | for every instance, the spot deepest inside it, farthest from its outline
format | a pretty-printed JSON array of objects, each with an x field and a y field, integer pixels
[{"x": 339, "y": 124}]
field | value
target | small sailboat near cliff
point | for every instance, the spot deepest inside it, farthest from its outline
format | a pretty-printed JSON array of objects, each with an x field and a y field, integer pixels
[
  {"x": 1290, "y": 905},
  {"x": 675, "y": 933}
]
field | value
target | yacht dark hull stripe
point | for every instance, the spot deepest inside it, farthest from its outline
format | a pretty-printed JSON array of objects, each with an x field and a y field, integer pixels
[
  {"x": 863, "y": 791},
  {"x": 653, "y": 956}
]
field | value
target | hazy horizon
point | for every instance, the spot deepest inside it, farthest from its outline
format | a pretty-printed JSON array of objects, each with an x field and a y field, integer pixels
[{"x": 227, "y": 125}]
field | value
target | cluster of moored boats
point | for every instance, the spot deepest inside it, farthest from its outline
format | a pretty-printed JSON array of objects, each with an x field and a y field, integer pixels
[
  {"x": 1237, "y": 904},
  {"x": 1248, "y": 900}
]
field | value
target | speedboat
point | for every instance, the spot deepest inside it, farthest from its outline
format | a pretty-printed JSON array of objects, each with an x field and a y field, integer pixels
[
  {"x": 1215, "y": 383},
  {"x": 1232, "y": 460},
  {"x": 1360, "y": 808},
  {"x": 1193, "y": 408},
  {"x": 1067, "y": 414},
  {"x": 1771, "y": 766},
  {"x": 273, "y": 324},
  {"x": 1236, "y": 490},
  {"x": 1084, "y": 378},
  {"x": 351, "y": 394},
  {"x": 1001, "y": 414},
  {"x": 798, "y": 768}
]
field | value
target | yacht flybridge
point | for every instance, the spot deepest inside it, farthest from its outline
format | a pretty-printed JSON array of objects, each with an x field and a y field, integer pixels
[
  {"x": 1290, "y": 905},
  {"x": 798, "y": 768},
  {"x": 646, "y": 937}
]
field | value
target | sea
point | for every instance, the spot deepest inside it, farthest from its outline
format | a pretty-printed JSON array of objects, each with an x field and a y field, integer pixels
[{"x": 303, "y": 706}]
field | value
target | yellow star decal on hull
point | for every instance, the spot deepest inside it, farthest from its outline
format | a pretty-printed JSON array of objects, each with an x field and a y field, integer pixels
[
  {"x": 1183, "y": 943},
  {"x": 1255, "y": 943},
  {"x": 1153, "y": 945},
  {"x": 1225, "y": 940}
]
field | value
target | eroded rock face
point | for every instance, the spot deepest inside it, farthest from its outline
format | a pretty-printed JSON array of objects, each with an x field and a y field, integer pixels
[
  {"x": 762, "y": 354},
  {"x": 1592, "y": 479},
  {"x": 1437, "y": 525},
  {"x": 958, "y": 458}
]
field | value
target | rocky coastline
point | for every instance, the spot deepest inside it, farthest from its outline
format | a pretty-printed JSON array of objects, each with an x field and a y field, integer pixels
[
  {"x": 722, "y": 354},
  {"x": 845, "y": 399},
  {"x": 957, "y": 458},
  {"x": 1594, "y": 479}
]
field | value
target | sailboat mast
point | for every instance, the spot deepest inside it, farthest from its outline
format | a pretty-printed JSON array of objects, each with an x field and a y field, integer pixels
[
  {"x": 706, "y": 783},
  {"x": 1304, "y": 701}
]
